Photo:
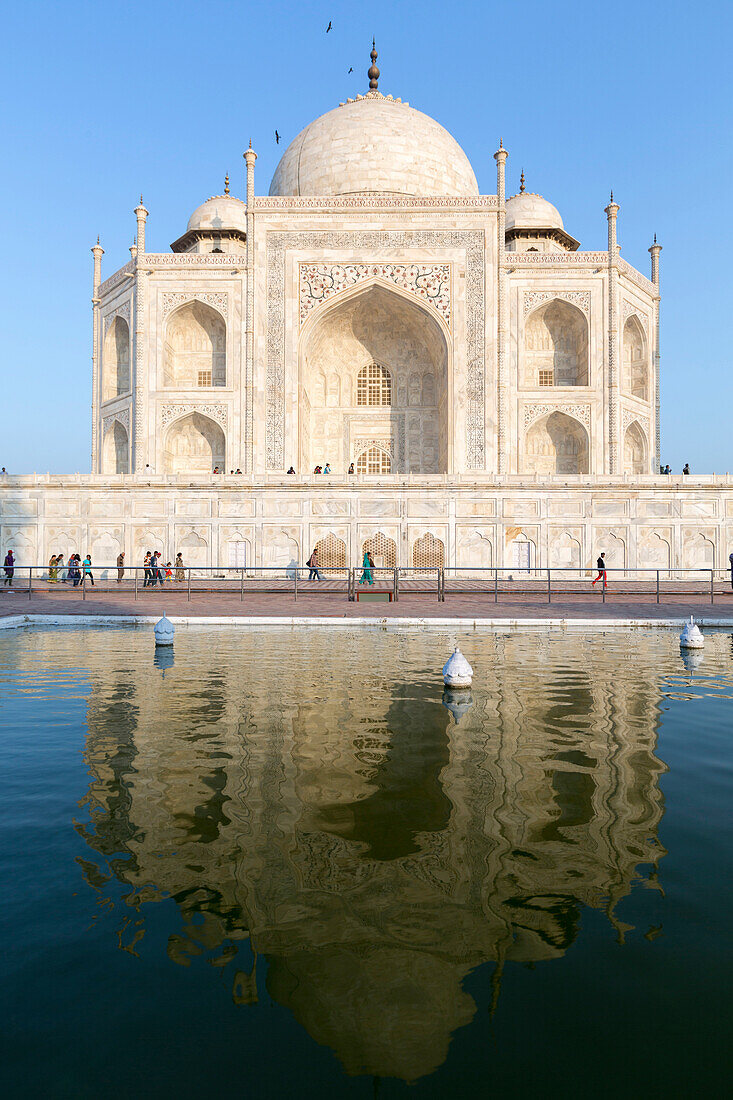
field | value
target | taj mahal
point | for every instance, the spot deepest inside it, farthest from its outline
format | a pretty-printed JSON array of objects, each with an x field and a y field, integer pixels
[{"x": 480, "y": 390}]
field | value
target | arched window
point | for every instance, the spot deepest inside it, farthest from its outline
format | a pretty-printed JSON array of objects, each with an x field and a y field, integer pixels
[
  {"x": 374, "y": 461},
  {"x": 374, "y": 385}
]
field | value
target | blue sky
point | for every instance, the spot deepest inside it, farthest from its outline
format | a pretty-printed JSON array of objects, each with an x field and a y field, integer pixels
[{"x": 105, "y": 101}]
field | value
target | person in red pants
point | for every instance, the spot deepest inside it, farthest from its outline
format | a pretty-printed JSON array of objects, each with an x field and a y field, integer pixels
[{"x": 601, "y": 566}]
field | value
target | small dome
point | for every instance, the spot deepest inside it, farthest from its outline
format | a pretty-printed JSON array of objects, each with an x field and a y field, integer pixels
[
  {"x": 374, "y": 143},
  {"x": 528, "y": 211},
  {"x": 220, "y": 212}
]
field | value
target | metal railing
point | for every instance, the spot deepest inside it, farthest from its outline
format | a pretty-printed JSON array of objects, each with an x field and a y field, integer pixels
[{"x": 547, "y": 584}]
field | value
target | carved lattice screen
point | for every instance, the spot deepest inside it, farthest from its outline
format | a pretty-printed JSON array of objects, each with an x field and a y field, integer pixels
[
  {"x": 331, "y": 553},
  {"x": 382, "y": 549},
  {"x": 428, "y": 551}
]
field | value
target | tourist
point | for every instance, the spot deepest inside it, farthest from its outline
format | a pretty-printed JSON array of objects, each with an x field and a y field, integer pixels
[
  {"x": 146, "y": 569},
  {"x": 601, "y": 566},
  {"x": 686, "y": 468},
  {"x": 3, "y": 471},
  {"x": 366, "y": 572},
  {"x": 74, "y": 571},
  {"x": 52, "y": 570},
  {"x": 350, "y": 469},
  {"x": 154, "y": 569},
  {"x": 180, "y": 571},
  {"x": 291, "y": 470},
  {"x": 237, "y": 471},
  {"x": 317, "y": 470},
  {"x": 668, "y": 469},
  {"x": 312, "y": 564},
  {"x": 327, "y": 469},
  {"x": 120, "y": 566},
  {"x": 217, "y": 470},
  {"x": 61, "y": 568},
  {"x": 168, "y": 572},
  {"x": 9, "y": 569},
  {"x": 87, "y": 565}
]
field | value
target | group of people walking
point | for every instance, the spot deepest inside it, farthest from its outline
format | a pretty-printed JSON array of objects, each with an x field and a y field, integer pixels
[
  {"x": 366, "y": 574},
  {"x": 155, "y": 572},
  {"x": 73, "y": 572}
]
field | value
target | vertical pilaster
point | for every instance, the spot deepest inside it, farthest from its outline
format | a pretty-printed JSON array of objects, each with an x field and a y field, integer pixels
[
  {"x": 248, "y": 389},
  {"x": 97, "y": 252},
  {"x": 501, "y": 448},
  {"x": 611, "y": 212},
  {"x": 139, "y": 448},
  {"x": 655, "y": 250}
]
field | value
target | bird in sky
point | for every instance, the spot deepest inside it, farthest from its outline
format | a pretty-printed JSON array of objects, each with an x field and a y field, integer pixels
[
  {"x": 277, "y": 138},
  {"x": 328, "y": 28},
  {"x": 351, "y": 69}
]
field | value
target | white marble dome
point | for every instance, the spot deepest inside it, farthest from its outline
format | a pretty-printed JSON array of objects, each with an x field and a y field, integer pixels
[
  {"x": 374, "y": 143},
  {"x": 220, "y": 212},
  {"x": 528, "y": 211}
]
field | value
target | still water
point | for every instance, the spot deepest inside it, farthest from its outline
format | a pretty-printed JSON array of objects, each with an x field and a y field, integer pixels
[{"x": 284, "y": 863}]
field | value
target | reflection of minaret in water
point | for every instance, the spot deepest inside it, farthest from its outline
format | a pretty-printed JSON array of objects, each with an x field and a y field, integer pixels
[{"x": 372, "y": 849}]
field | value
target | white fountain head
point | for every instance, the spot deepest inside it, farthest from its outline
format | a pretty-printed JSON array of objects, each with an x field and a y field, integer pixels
[
  {"x": 164, "y": 631},
  {"x": 457, "y": 673},
  {"x": 691, "y": 637}
]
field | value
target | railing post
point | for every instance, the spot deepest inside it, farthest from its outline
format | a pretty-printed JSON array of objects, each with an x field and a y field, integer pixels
[
  {"x": 395, "y": 585},
  {"x": 496, "y": 584},
  {"x": 241, "y": 590},
  {"x": 135, "y": 575},
  {"x": 605, "y": 574},
  {"x": 657, "y": 586},
  {"x": 295, "y": 584},
  {"x": 83, "y": 583},
  {"x": 549, "y": 588},
  {"x": 189, "y": 583},
  {"x": 712, "y": 589},
  {"x": 30, "y": 580}
]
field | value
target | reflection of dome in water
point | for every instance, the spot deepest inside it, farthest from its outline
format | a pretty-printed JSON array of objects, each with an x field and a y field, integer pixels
[{"x": 374, "y": 143}]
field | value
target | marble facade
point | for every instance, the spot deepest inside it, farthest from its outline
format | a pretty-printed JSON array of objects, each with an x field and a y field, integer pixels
[{"x": 482, "y": 373}]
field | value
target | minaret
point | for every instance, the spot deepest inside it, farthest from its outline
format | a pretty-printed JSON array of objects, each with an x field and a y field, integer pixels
[
  {"x": 501, "y": 450},
  {"x": 138, "y": 411},
  {"x": 655, "y": 250},
  {"x": 248, "y": 389},
  {"x": 611, "y": 212},
  {"x": 97, "y": 252}
]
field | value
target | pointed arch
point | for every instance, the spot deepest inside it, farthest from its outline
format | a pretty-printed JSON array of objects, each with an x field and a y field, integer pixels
[
  {"x": 194, "y": 444},
  {"x": 195, "y": 347},
  {"x": 635, "y": 355},
  {"x": 636, "y": 459},
  {"x": 556, "y": 444},
  {"x": 116, "y": 449},
  {"x": 556, "y": 345},
  {"x": 428, "y": 552},
  {"x": 383, "y": 343},
  {"x": 116, "y": 360}
]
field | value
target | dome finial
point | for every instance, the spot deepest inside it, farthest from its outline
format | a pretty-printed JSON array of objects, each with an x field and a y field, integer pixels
[
  {"x": 521, "y": 183},
  {"x": 373, "y": 73},
  {"x": 226, "y": 184}
]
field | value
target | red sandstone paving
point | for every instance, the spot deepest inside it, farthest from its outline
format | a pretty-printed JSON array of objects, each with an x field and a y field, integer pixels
[{"x": 329, "y": 600}]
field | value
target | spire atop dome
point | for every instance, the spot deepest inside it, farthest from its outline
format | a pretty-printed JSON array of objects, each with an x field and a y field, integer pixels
[
  {"x": 521, "y": 183},
  {"x": 226, "y": 184},
  {"x": 373, "y": 73}
]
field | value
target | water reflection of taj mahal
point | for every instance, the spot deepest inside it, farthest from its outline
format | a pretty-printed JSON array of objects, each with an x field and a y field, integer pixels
[{"x": 371, "y": 849}]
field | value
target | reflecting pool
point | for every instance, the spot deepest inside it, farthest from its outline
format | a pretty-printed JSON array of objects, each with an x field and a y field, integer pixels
[{"x": 288, "y": 863}]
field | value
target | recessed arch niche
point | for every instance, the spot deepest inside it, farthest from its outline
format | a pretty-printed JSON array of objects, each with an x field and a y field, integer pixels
[
  {"x": 116, "y": 360},
  {"x": 374, "y": 363},
  {"x": 195, "y": 444},
  {"x": 635, "y": 369},
  {"x": 556, "y": 346},
  {"x": 195, "y": 348},
  {"x": 556, "y": 444},
  {"x": 635, "y": 455},
  {"x": 116, "y": 450}
]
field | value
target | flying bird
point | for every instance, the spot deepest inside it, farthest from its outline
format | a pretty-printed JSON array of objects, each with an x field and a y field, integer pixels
[
  {"x": 351, "y": 69},
  {"x": 277, "y": 138},
  {"x": 328, "y": 28}
]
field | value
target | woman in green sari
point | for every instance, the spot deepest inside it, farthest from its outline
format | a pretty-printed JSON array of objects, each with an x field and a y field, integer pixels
[{"x": 366, "y": 575}]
